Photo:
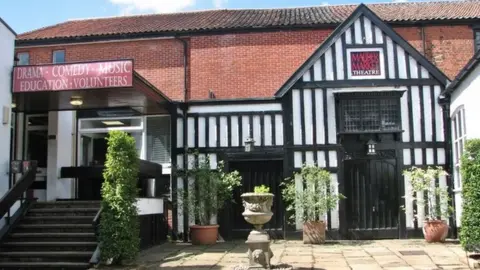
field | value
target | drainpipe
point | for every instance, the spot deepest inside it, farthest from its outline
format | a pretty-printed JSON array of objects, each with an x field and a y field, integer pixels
[
  {"x": 424, "y": 42},
  {"x": 185, "y": 126}
]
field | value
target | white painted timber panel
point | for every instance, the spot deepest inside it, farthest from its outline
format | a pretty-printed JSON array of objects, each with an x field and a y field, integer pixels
[
  {"x": 309, "y": 159},
  {"x": 257, "y": 135},
  {"x": 368, "y": 30},
  {"x": 332, "y": 158},
  {"x": 417, "y": 123},
  {"x": 212, "y": 132},
  {"x": 408, "y": 203},
  {"x": 424, "y": 73},
  {"x": 378, "y": 35},
  {"x": 297, "y": 119},
  {"x": 402, "y": 65},
  {"x": 191, "y": 132},
  {"x": 332, "y": 126},
  {"x": 358, "y": 34},
  {"x": 235, "y": 108},
  {"x": 405, "y": 118},
  {"x": 407, "y": 158},
  {"x": 317, "y": 71},
  {"x": 418, "y": 153},
  {"x": 201, "y": 132},
  {"x": 348, "y": 36},
  {"x": 441, "y": 156},
  {"x": 306, "y": 76},
  {"x": 413, "y": 67},
  {"x": 438, "y": 116},
  {"x": 335, "y": 218},
  {"x": 298, "y": 208},
  {"x": 278, "y": 129},
  {"x": 427, "y": 108},
  {"x": 245, "y": 129},
  {"x": 223, "y": 131},
  {"x": 391, "y": 62},
  {"x": 430, "y": 156},
  {"x": 339, "y": 59},
  {"x": 180, "y": 202},
  {"x": 235, "y": 128},
  {"x": 267, "y": 130},
  {"x": 319, "y": 118},
  {"x": 179, "y": 132},
  {"x": 297, "y": 159},
  {"x": 329, "y": 65},
  {"x": 308, "y": 116},
  {"x": 321, "y": 160}
]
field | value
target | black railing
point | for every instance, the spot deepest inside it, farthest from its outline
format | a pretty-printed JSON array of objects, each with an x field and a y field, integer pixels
[{"x": 18, "y": 190}]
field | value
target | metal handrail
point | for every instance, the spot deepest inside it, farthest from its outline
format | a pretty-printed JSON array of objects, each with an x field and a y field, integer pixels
[{"x": 17, "y": 191}]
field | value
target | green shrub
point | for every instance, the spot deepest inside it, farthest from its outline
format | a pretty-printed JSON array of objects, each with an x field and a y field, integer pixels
[
  {"x": 424, "y": 180},
  {"x": 470, "y": 169},
  {"x": 209, "y": 191},
  {"x": 261, "y": 189},
  {"x": 317, "y": 197},
  {"x": 119, "y": 228}
]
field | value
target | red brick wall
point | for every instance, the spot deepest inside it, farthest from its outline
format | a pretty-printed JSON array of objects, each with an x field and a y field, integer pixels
[
  {"x": 248, "y": 65},
  {"x": 160, "y": 61}
]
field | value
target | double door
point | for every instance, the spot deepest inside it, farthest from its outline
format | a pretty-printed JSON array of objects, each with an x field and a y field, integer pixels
[{"x": 372, "y": 204}]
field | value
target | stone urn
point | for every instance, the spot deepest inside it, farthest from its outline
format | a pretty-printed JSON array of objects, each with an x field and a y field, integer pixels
[{"x": 258, "y": 212}]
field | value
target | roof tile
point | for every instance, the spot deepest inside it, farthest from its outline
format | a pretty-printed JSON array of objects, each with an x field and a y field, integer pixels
[{"x": 252, "y": 18}]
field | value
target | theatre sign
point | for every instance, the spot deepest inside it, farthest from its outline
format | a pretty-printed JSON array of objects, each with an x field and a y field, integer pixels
[{"x": 75, "y": 76}]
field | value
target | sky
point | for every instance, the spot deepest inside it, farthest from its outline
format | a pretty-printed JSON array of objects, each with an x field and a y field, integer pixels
[{"x": 26, "y": 15}]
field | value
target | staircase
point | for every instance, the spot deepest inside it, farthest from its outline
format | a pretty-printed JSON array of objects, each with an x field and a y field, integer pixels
[{"x": 52, "y": 235}]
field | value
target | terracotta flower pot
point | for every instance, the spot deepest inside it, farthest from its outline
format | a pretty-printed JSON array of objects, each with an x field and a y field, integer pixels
[
  {"x": 435, "y": 230},
  {"x": 314, "y": 232},
  {"x": 204, "y": 235}
]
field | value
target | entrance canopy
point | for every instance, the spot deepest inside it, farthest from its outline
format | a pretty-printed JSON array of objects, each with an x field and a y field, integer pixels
[{"x": 85, "y": 86}]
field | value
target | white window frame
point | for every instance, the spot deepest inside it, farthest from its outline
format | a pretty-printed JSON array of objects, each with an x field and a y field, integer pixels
[
  {"x": 18, "y": 57},
  {"x": 53, "y": 56},
  {"x": 459, "y": 136}
]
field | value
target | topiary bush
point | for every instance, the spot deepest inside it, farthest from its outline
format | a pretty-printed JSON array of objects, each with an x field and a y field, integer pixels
[
  {"x": 470, "y": 169},
  {"x": 119, "y": 226}
]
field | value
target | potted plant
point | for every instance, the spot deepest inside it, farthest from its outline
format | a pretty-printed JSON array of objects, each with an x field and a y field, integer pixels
[
  {"x": 423, "y": 181},
  {"x": 258, "y": 206},
  {"x": 312, "y": 202},
  {"x": 205, "y": 196}
]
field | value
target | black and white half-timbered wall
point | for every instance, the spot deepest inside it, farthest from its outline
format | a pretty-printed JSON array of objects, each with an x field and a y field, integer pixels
[{"x": 364, "y": 85}]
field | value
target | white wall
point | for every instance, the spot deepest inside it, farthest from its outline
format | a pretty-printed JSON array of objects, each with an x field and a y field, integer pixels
[
  {"x": 7, "y": 43},
  {"x": 467, "y": 94}
]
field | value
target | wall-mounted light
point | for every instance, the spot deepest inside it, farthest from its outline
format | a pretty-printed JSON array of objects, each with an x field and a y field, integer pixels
[
  {"x": 14, "y": 105},
  {"x": 249, "y": 144},
  {"x": 371, "y": 147},
  {"x": 76, "y": 101}
]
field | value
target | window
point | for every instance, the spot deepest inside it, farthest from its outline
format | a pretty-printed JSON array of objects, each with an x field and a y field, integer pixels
[
  {"x": 58, "y": 56},
  {"x": 158, "y": 139},
  {"x": 459, "y": 136},
  {"x": 369, "y": 112},
  {"x": 23, "y": 58},
  {"x": 476, "y": 37}
]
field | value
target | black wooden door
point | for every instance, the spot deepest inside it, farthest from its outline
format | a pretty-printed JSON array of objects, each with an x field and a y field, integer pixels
[
  {"x": 254, "y": 173},
  {"x": 372, "y": 203}
]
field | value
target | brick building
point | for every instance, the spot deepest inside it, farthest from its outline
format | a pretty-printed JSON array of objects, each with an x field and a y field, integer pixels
[{"x": 283, "y": 77}]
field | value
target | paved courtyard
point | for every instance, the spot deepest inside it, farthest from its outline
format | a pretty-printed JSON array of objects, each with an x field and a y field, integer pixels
[{"x": 343, "y": 255}]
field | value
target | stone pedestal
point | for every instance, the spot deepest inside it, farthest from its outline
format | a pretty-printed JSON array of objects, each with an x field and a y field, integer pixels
[{"x": 259, "y": 252}]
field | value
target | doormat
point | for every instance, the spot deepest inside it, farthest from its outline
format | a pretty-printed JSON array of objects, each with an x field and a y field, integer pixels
[{"x": 412, "y": 252}]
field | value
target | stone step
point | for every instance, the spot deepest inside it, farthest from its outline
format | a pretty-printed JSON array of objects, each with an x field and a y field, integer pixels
[
  {"x": 48, "y": 246},
  {"x": 52, "y": 237},
  {"x": 45, "y": 256},
  {"x": 43, "y": 265},
  {"x": 67, "y": 204},
  {"x": 62, "y": 211},
  {"x": 67, "y": 228},
  {"x": 44, "y": 219}
]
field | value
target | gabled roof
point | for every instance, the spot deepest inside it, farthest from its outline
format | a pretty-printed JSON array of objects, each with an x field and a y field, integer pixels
[
  {"x": 336, "y": 34},
  {"x": 463, "y": 74},
  {"x": 229, "y": 20}
]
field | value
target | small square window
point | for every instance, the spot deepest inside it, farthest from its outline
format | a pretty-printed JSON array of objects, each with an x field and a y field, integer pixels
[
  {"x": 58, "y": 56},
  {"x": 23, "y": 58}
]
